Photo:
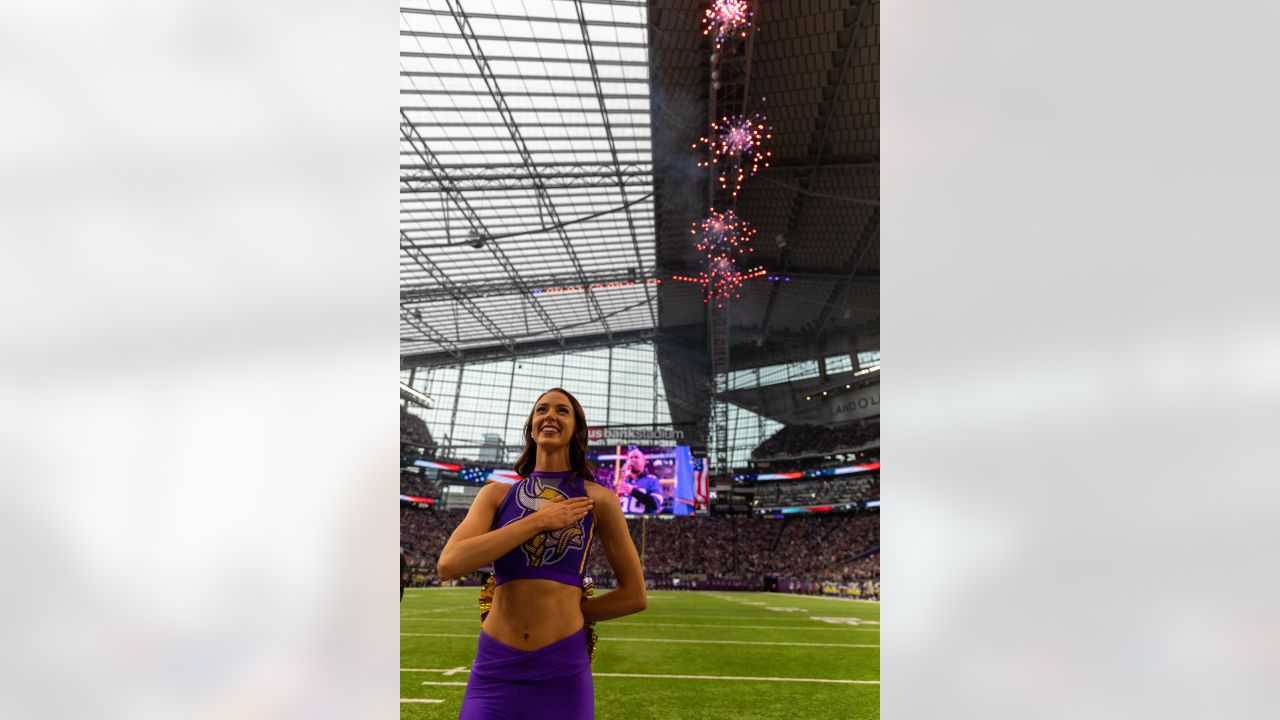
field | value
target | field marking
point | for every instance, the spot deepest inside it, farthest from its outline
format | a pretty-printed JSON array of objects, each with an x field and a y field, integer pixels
[
  {"x": 719, "y": 616},
  {"x": 842, "y": 620},
  {"x": 827, "y": 627},
  {"x": 443, "y": 682},
  {"x": 460, "y": 608},
  {"x": 732, "y": 642},
  {"x": 631, "y": 639},
  {"x": 737, "y": 677},
  {"x": 475, "y": 613},
  {"x": 753, "y": 627},
  {"x": 687, "y": 677},
  {"x": 421, "y": 700}
]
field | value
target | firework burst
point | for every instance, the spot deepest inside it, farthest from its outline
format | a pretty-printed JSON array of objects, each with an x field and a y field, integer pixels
[
  {"x": 725, "y": 18},
  {"x": 736, "y": 148},
  {"x": 723, "y": 239}
]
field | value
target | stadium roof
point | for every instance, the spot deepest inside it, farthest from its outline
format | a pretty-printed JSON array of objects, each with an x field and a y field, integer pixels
[
  {"x": 571, "y": 122},
  {"x": 526, "y": 174},
  {"x": 813, "y": 71}
]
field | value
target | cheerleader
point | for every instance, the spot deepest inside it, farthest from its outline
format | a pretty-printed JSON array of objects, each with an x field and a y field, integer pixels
[{"x": 533, "y": 656}]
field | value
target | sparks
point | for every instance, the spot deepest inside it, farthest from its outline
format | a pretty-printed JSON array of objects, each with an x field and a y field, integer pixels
[
  {"x": 723, "y": 239},
  {"x": 736, "y": 148},
  {"x": 725, "y": 18}
]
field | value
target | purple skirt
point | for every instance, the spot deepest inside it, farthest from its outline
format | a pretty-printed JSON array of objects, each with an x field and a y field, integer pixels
[{"x": 510, "y": 684}]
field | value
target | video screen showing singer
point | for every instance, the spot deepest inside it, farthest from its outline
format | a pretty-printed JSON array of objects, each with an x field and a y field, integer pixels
[{"x": 638, "y": 489}]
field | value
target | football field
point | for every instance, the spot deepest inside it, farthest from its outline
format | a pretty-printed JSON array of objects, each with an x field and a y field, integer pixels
[{"x": 689, "y": 655}]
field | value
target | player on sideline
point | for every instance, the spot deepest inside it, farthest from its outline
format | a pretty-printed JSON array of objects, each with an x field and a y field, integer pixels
[{"x": 532, "y": 659}]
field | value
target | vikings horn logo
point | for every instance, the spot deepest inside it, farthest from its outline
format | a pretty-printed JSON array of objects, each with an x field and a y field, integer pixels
[{"x": 546, "y": 548}]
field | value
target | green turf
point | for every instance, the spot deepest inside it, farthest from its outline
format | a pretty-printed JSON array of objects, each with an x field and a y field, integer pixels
[{"x": 676, "y": 616}]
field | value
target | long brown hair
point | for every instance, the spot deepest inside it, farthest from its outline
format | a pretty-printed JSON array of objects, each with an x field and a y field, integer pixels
[{"x": 577, "y": 444}]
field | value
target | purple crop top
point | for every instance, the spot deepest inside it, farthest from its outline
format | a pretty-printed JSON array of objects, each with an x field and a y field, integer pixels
[{"x": 559, "y": 555}]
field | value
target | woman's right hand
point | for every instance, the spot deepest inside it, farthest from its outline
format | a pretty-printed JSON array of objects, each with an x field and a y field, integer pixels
[{"x": 556, "y": 514}]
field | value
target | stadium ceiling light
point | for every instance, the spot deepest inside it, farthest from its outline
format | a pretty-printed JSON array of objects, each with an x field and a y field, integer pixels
[{"x": 422, "y": 399}]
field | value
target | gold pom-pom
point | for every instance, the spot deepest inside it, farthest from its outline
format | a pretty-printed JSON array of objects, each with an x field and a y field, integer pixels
[
  {"x": 486, "y": 598},
  {"x": 589, "y": 629}
]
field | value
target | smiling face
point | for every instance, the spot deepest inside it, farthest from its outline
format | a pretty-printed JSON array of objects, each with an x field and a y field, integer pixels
[{"x": 551, "y": 423}]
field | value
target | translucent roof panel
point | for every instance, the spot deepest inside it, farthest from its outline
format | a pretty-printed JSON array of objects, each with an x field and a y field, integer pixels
[{"x": 526, "y": 173}]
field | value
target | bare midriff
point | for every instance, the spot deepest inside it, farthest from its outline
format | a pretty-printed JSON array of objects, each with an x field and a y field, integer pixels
[{"x": 530, "y": 614}]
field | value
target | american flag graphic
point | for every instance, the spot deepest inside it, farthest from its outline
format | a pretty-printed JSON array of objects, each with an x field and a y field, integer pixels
[{"x": 700, "y": 483}]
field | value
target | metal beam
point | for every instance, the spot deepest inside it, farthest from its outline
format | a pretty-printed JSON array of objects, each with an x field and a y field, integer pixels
[
  {"x": 550, "y": 138},
  {"x": 539, "y": 39},
  {"x": 542, "y": 124},
  {"x": 528, "y": 349},
  {"x": 509, "y": 76},
  {"x": 522, "y": 169},
  {"x": 455, "y": 92},
  {"x": 505, "y": 179},
  {"x": 504, "y": 286},
  {"x": 517, "y": 58},
  {"x": 524, "y": 18}
]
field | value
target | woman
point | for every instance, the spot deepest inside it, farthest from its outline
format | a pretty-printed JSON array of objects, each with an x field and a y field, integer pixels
[{"x": 531, "y": 658}]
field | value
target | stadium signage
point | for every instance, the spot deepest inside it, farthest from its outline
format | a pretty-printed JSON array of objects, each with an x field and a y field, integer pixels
[
  {"x": 860, "y": 404},
  {"x": 626, "y": 435}
]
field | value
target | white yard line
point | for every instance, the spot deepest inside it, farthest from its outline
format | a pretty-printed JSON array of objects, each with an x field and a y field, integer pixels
[
  {"x": 443, "y": 682},
  {"x": 686, "y": 677},
  {"x": 611, "y": 638},
  {"x": 729, "y": 625},
  {"x": 420, "y": 615},
  {"x": 421, "y": 700},
  {"x": 458, "y": 608},
  {"x": 738, "y": 677},
  {"x": 608, "y": 623}
]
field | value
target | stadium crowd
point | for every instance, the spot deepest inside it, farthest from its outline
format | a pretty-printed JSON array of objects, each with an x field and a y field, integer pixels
[
  {"x": 796, "y": 440},
  {"x": 820, "y": 546},
  {"x": 414, "y": 484},
  {"x": 413, "y": 428},
  {"x": 737, "y": 552},
  {"x": 423, "y": 533}
]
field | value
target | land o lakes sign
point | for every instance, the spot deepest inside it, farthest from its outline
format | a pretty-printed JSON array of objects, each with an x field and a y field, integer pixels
[{"x": 854, "y": 405}]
